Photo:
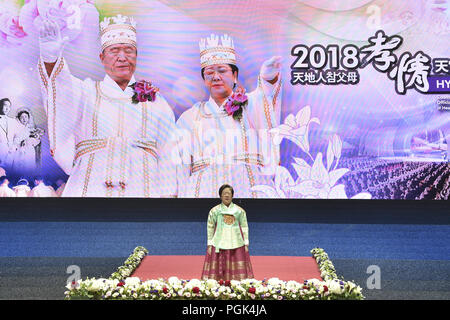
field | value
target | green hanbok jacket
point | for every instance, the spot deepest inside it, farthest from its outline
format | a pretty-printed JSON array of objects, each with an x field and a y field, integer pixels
[{"x": 225, "y": 225}]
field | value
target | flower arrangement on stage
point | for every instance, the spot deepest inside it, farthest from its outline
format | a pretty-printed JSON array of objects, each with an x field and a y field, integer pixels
[
  {"x": 133, "y": 261},
  {"x": 121, "y": 286},
  {"x": 326, "y": 267}
]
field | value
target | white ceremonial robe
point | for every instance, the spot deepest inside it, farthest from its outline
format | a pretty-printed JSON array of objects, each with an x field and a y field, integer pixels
[
  {"x": 42, "y": 191},
  {"x": 109, "y": 146},
  {"x": 22, "y": 191},
  {"x": 217, "y": 149},
  {"x": 6, "y": 191}
]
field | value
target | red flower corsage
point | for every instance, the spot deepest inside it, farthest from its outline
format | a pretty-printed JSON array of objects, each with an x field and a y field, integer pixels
[
  {"x": 236, "y": 102},
  {"x": 143, "y": 91}
]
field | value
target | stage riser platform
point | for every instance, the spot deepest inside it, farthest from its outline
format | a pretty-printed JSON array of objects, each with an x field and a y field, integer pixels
[{"x": 264, "y": 267}]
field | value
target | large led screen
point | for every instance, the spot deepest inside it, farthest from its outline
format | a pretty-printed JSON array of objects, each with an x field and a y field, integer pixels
[{"x": 280, "y": 99}]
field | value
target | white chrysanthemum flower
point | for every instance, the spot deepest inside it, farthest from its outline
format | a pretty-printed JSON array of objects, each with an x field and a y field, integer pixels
[
  {"x": 154, "y": 283},
  {"x": 314, "y": 281},
  {"x": 94, "y": 286},
  {"x": 293, "y": 284},
  {"x": 234, "y": 283},
  {"x": 174, "y": 281},
  {"x": 211, "y": 283},
  {"x": 274, "y": 282},
  {"x": 333, "y": 286},
  {"x": 194, "y": 283},
  {"x": 132, "y": 281}
]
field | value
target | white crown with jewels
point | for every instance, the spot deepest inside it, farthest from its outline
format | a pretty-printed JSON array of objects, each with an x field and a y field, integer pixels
[
  {"x": 211, "y": 52},
  {"x": 118, "y": 29}
]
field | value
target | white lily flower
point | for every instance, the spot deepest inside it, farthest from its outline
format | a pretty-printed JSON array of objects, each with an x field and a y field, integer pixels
[
  {"x": 283, "y": 183},
  {"x": 317, "y": 182},
  {"x": 334, "y": 150},
  {"x": 362, "y": 195},
  {"x": 295, "y": 128}
]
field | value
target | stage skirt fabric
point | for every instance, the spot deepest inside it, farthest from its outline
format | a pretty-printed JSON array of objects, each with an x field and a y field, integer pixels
[{"x": 233, "y": 264}]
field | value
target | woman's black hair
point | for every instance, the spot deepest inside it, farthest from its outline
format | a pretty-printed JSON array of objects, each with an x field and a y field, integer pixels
[
  {"x": 2, "y": 103},
  {"x": 225, "y": 186},
  {"x": 233, "y": 69},
  {"x": 23, "y": 111}
]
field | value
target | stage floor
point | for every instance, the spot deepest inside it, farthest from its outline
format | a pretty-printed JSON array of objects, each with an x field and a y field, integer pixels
[{"x": 264, "y": 267}]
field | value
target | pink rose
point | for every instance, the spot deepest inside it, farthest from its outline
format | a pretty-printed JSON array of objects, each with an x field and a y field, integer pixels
[
  {"x": 11, "y": 33},
  {"x": 230, "y": 107},
  {"x": 141, "y": 97},
  {"x": 239, "y": 95},
  {"x": 144, "y": 91},
  {"x": 139, "y": 87}
]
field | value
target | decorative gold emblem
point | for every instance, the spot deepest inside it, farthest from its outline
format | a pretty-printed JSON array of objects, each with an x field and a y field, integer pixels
[{"x": 228, "y": 219}]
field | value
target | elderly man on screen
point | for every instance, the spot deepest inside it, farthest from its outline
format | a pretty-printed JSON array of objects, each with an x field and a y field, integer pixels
[
  {"x": 110, "y": 136},
  {"x": 226, "y": 139}
]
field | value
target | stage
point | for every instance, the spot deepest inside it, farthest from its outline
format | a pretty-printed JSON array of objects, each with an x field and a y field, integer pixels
[{"x": 264, "y": 267}]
